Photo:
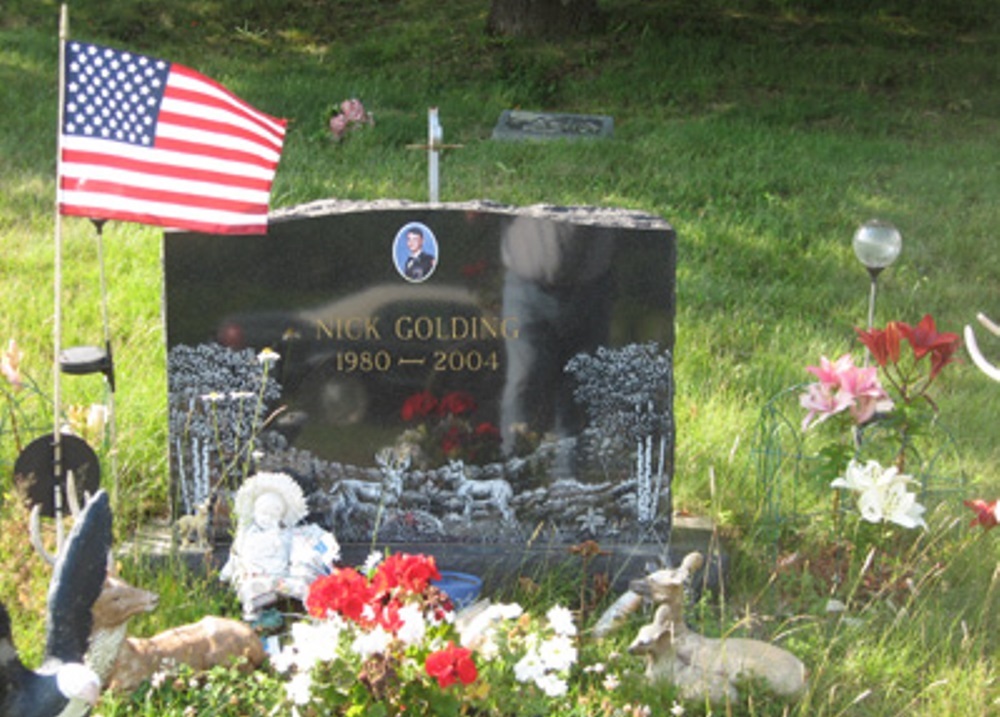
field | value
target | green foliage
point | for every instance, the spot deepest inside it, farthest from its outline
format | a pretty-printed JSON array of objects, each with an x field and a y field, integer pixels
[
  {"x": 221, "y": 692},
  {"x": 26, "y": 578}
]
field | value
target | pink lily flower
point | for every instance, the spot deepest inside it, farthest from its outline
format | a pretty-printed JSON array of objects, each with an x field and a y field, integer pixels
[
  {"x": 868, "y": 395},
  {"x": 829, "y": 372},
  {"x": 10, "y": 364},
  {"x": 822, "y": 400}
]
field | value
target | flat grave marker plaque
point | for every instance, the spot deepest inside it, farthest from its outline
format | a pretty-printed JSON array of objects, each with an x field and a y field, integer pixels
[{"x": 523, "y": 125}]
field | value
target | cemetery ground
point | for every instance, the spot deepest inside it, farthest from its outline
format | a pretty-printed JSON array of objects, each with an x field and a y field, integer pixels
[{"x": 764, "y": 132}]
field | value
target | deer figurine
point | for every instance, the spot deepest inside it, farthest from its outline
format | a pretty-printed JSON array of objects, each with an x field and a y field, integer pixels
[
  {"x": 123, "y": 662},
  {"x": 700, "y": 666},
  {"x": 194, "y": 524},
  {"x": 977, "y": 356},
  {"x": 200, "y": 645}
]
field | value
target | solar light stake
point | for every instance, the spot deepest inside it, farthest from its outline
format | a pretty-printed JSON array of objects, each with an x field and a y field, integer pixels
[{"x": 877, "y": 244}]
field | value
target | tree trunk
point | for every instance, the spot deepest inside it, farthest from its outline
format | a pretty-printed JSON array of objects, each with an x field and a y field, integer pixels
[{"x": 542, "y": 18}]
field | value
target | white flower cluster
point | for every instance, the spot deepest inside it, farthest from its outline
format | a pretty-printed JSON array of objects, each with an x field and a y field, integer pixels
[
  {"x": 321, "y": 641},
  {"x": 310, "y": 644},
  {"x": 548, "y": 660},
  {"x": 882, "y": 494}
]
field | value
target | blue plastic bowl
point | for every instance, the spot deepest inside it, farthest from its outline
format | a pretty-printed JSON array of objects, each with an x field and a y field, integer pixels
[{"x": 462, "y": 588}]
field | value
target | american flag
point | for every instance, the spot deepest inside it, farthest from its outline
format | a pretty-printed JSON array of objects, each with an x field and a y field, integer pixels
[{"x": 150, "y": 141}]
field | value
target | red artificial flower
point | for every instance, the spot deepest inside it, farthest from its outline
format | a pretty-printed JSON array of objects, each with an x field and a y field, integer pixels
[
  {"x": 409, "y": 573},
  {"x": 450, "y": 665},
  {"x": 457, "y": 403},
  {"x": 419, "y": 405},
  {"x": 344, "y": 591},
  {"x": 471, "y": 271},
  {"x": 451, "y": 441},
  {"x": 884, "y": 343},
  {"x": 487, "y": 431},
  {"x": 987, "y": 514}
]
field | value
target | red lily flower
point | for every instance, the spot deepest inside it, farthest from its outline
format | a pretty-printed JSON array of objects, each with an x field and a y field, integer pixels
[
  {"x": 943, "y": 356},
  {"x": 884, "y": 343},
  {"x": 925, "y": 339},
  {"x": 987, "y": 514}
]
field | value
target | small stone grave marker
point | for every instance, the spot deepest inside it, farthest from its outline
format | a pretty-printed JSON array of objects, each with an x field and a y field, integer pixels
[{"x": 522, "y": 125}]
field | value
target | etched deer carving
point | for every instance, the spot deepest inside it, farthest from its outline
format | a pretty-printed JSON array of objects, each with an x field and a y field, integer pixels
[
  {"x": 977, "y": 356},
  {"x": 700, "y": 666},
  {"x": 123, "y": 662}
]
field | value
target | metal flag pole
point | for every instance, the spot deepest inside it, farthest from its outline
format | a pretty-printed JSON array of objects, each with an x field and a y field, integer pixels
[
  {"x": 57, "y": 293},
  {"x": 109, "y": 370}
]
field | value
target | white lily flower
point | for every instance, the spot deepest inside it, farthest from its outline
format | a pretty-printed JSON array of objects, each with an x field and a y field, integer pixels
[
  {"x": 882, "y": 494},
  {"x": 859, "y": 477}
]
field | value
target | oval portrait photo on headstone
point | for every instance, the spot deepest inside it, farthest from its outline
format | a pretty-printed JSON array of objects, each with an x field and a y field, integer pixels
[{"x": 415, "y": 252}]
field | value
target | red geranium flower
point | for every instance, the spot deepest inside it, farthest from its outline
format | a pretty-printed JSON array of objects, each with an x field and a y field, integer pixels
[
  {"x": 419, "y": 405},
  {"x": 389, "y": 617},
  {"x": 409, "y": 573},
  {"x": 451, "y": 664},
  {"x": 457, "y": 403},
  {"x": 344, "y": 591},
  {"x": 987, "y": 514}
]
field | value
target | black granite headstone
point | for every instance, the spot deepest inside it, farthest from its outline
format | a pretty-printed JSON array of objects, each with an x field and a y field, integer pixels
[{"x": 446, "y": 373}]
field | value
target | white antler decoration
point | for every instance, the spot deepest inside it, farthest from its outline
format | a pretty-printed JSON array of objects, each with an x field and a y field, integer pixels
[
  {"x": 35, "y": 525},
  {"x": 977, "y": 355}
]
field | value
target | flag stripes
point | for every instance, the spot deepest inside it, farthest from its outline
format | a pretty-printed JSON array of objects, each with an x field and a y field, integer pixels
[{"x": 149, "y": 141}]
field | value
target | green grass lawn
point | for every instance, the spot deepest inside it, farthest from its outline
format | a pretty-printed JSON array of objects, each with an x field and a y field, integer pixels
[{"x": 765, "y": 131}]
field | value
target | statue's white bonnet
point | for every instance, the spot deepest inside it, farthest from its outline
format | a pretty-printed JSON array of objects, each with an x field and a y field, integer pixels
[{"x": 280, "y": 484}]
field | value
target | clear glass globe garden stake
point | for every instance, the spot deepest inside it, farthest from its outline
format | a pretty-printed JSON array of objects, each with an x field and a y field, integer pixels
[{"x": 877, "y": 245}]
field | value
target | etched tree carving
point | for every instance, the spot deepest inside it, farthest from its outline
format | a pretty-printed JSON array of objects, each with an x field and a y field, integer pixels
[
  {"x": 627, "y": 394},
  {"x": 219, "y": 403}
]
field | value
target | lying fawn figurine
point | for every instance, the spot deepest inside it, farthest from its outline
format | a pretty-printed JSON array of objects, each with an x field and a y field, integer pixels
[
  {"x": 123, "y": 662},
  {"x": 704, "y": 667}
]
